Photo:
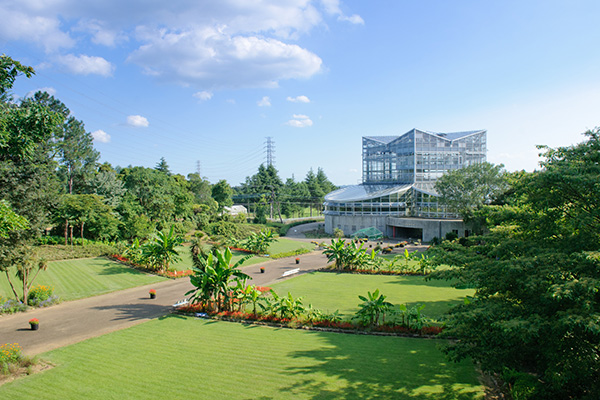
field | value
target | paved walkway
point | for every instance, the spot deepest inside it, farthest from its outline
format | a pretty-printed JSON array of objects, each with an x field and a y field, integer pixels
[{"x": 77, "y": 320}]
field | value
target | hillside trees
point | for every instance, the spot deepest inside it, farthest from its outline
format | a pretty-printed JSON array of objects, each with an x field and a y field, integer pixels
[
  {"x": 536, "y": 310},
  {"x": 289, "y": 198},
  {"x": 73, "y": 145}
]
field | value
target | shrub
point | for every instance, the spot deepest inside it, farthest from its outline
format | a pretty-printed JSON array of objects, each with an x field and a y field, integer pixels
[
  {"x": 12, "y": 306},
  {"x": 10, "y": 353},
  {"x": 41, "y": 296},
  {"x": 450, "y": 236}
]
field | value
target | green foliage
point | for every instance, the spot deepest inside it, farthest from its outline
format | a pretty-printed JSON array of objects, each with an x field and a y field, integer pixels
[
  {"x": 259, "y": 243},
  {"x": 290, "y": 253},
  {"x": 537, "y": 273},
  {"x": 9, "y": 221},
  {"x": 61, "y": 252},
  {"x": 213, "y": 280},
  {"x": 373, "y": 309},
  {"x": 9, "y": 71},
  {"x": 350, "y": 255},
  {"x": 222, "y": 192},
  {"x": 338, "y": 233},
  {"x": 161, "y": 250},
  {"x": 42, "y": 296},
  {"x": 466, "y": 189}
]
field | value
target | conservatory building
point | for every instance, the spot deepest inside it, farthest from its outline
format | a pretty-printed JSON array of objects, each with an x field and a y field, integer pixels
[{"x": 397, "y": 195}]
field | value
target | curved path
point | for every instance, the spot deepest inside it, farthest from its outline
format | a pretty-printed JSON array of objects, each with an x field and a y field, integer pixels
[{"x": 77, "y": 320}]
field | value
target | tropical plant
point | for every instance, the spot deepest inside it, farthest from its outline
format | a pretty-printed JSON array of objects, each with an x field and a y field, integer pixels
[
  {"x": 288, "y": 307},
  {"x": 373, "y": 309},
  {"x": 159, "y": 252},
  {"x": 259, "y": 242},
  {"x": 336, "y": 251},
  {"x": 213, "y": 280},
  {"x": 411, "y": 317}
]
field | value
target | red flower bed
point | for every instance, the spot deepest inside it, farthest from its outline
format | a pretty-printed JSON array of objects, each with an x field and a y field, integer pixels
[
  {"x": 177, "y": 274},
  {"x": 431, "y": 330},
  {"x": 240, "y": 249}
]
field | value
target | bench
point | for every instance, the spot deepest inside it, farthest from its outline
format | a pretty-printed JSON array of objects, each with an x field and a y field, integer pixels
[
  {"x": 181, "y": 303},
  {"x": 291, "y": 272}
]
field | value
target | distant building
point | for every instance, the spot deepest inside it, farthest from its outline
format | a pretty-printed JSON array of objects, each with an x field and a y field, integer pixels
[
  {"x": 235, "y": 210},
  {"x": 397, "y": 195}
]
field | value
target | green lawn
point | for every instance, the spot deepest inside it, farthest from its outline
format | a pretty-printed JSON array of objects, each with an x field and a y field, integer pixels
[
  {"x": 76, "y": 279},
  {"x": 186, "y": 358},
  {"x": 282, "y": 245},
  {"x": 330, "y": 291}
]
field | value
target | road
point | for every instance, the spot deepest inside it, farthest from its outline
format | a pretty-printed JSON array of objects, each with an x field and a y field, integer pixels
[{"x": 74, "y": 321}]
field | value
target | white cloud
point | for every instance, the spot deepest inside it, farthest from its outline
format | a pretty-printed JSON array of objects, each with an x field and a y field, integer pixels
[
  {"x": 299, "y": 121},
  {"x": 137, "y": 121},
  {"x": 353, "y": 19},
  {"x": 101, "y": 136},
  {"x": 332, "y": 7},
  {"x": 22, "y": 23},
  {"x": 212, "y": 45},
  {"x": 204, "y": 95},
  {"x": 264, "y": 102},
  {"x": 209, "y": 58},
  {"x": 86, "y": 65},
  {"x": 100, "y": 33},
  {"x": 299, "y": 99}
]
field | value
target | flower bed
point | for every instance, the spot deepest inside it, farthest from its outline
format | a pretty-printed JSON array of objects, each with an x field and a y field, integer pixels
[
  {"x": 293, "y": 323},
  {"x": 371, "y": 271},
  {"x": 166, "y": 274},
  {"x": 240, "y": 249}
]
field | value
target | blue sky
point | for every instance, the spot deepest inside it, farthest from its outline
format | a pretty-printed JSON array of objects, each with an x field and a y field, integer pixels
[{"x": 208, "y": 81}]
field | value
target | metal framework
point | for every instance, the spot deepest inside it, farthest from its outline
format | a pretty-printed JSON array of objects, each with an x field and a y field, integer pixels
[{"x": 399, "y": 173}]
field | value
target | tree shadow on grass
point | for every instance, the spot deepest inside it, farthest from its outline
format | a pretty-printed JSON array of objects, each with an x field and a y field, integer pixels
[
  {"x": 118, "y": 269},
  {"x": 134, "y": 312},
  {"x": 361, "y": 367}
]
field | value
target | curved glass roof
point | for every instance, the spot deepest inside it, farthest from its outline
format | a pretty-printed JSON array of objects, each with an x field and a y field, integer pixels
[
  {"x": 365, "y": 192},
  {"x": 368, "y": 192}
]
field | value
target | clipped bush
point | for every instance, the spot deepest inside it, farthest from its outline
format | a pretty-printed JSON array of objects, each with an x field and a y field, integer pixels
[{"x": 39, "y": 293}]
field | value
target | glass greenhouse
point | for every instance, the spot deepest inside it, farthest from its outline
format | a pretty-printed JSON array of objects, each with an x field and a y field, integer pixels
[{"x": 399, "y": 173}]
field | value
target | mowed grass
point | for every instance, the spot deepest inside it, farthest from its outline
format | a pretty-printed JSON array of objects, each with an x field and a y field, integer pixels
[
  {"x": 282, "y": 245},
  {"x": 182, "y": 357},
  {"x": 76, "y": 279},
  {"x": 332, "y": 291}
]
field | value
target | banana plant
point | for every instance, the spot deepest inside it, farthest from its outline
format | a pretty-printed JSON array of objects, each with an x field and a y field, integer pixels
[
  {"x": 373, "y": 309},
  {"x": 336, "y": 251},
  {"x": 213, "y": 280},
  {"x": 289, "y": 307}
]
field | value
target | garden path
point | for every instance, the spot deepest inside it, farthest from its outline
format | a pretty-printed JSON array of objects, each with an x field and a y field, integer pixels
[{"x": 74, "y": 321}]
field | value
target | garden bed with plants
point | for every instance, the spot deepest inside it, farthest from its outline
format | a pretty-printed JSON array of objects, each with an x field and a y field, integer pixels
[{"x": 324, "y": 325}]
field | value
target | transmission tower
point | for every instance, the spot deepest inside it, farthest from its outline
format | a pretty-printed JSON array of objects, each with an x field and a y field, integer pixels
[
  {"x": 198, "y": 168},
  {"x": 270, "y": 149}
]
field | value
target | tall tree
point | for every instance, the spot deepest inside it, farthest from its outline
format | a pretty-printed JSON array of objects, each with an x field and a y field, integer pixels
[
  {"x": 162, "y": 166},
  {"x": 536, "y": 308},
  {"x": 222, "y": 192},
  {"x": 74, "y": 146},
  {"x": 466, "y": 189}
]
